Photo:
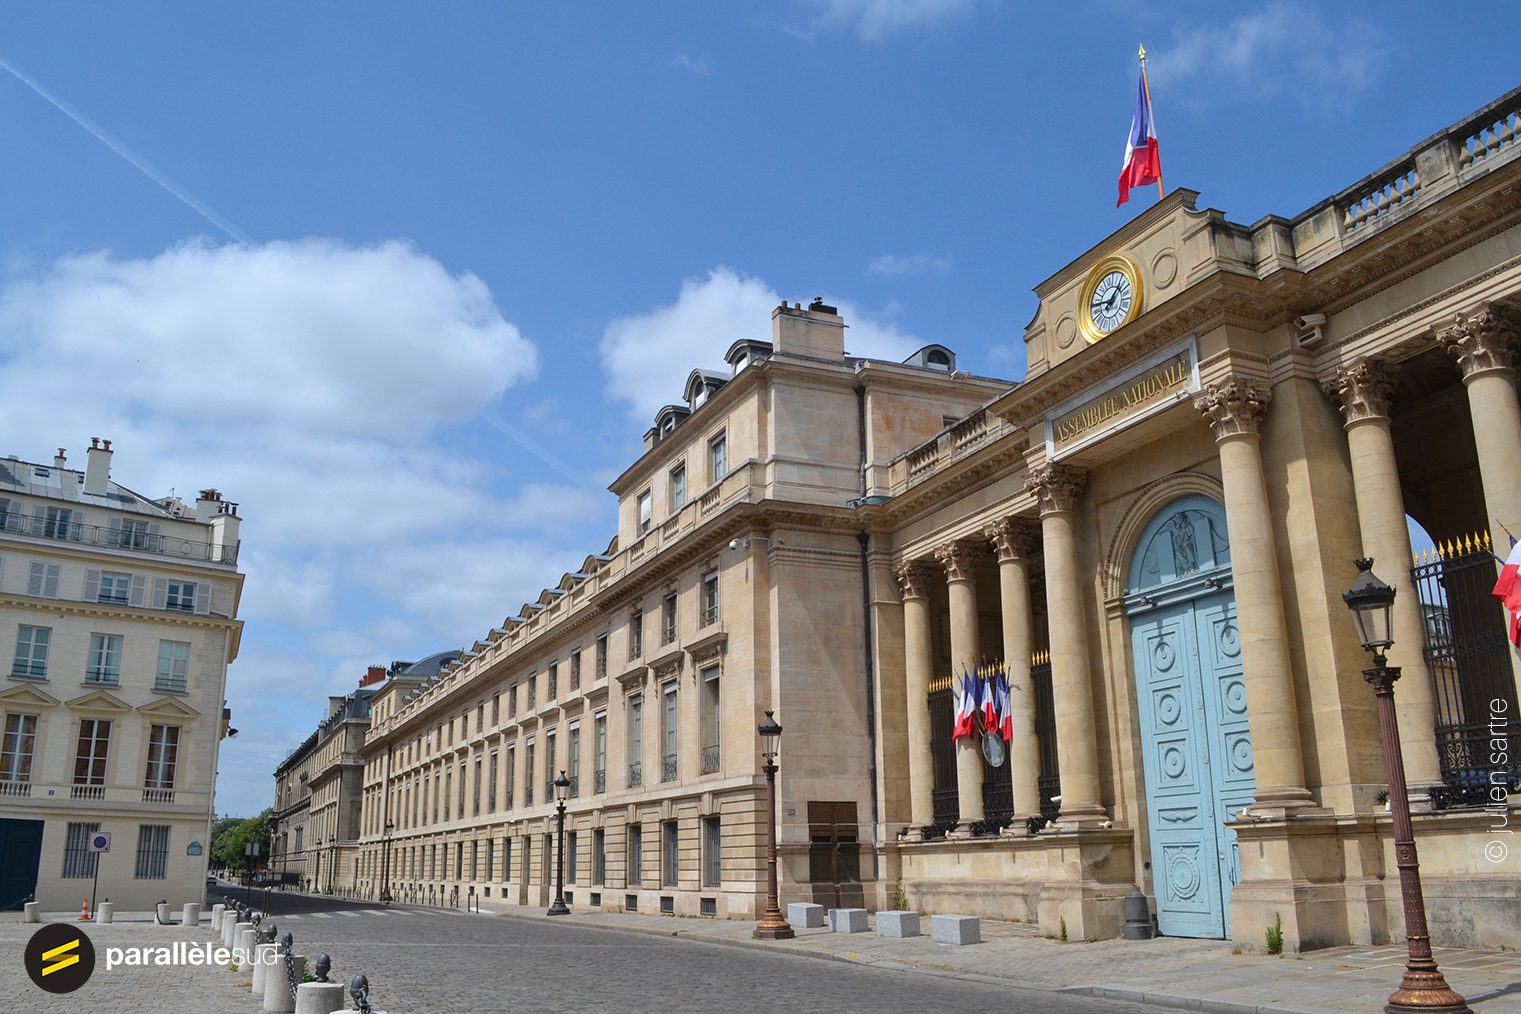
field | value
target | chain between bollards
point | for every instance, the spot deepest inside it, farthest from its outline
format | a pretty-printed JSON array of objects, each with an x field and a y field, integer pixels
[
  {"x": 287, "y": 944},
  {"x": 359, "y": 989}
]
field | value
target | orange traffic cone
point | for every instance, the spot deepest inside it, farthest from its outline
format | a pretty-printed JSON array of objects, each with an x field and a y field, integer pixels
[{"x": 84, "y": 909}]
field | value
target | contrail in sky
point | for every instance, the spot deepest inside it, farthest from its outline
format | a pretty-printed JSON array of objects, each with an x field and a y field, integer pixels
[
  {"x": 137, "y": 161},
  {"x": 528, "y": 445}
]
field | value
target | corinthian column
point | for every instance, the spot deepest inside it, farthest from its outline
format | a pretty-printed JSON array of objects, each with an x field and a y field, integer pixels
[
  {"x": 914, "y": 577},
  {"x": 1234, "y": 408},
  {"x": 1483, "y": 343},
  {"x": 1363, "y": 389},
  {"x": 960, "y": 561},
  {"x": 1056, "y": 487},
  {"x": 1016, "y": 541}
]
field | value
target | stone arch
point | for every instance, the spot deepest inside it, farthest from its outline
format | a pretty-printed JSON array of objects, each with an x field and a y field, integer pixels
[{"x": 1122, "y": 544}]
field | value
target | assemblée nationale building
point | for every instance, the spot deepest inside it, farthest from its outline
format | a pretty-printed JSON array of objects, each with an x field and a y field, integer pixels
[{"x": 1151, "y": 533}]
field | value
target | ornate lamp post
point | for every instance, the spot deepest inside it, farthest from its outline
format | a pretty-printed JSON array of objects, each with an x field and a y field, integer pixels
[
  {"x": 1423, "y": 988},
  {"x": 332, "y": 861},
  {"x": 385, "y": 861},
  {"x": 562, "y": 790},
  {"x": 773, "y": 925}
]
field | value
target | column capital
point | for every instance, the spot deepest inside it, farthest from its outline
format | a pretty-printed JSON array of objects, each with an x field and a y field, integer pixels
[
  {"x": 1480, "y": 340},
  {"x": 1055, "y": 486},
  {"x": 1233, "y": 407},
  {"x": 959, "y": 560},
  {"x": 914, "y": 578},
  {"x": 1363, "y": 389},
  {"x": 1013, "y": 538}
]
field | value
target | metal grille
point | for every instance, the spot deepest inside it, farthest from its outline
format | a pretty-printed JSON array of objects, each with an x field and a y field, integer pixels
[
  {"x": 1468, "y": 655},
  {"x": 946, "y": 807},
  {"x": 1049, "y": 781},
  {"x": 709, "y": 759},
  {"x": 635, "y": 774}
]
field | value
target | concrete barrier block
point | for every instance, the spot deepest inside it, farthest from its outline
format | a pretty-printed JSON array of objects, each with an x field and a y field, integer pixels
[
  {"x": 847, "y": 920},
  {"x": 33, "y": 911},
  {"x": 277, "y": 998},
  {"x": 265, "y": 955},
  {"x": 190, "y": 915},
  {"x": 897, "y": 924},
  {"x": 161, "y": 910},
  {"x": 956, "y": 930},
  {"x": 105, "y": 911},
  {"x": 802, "y": 915},
  {"x": 319, "y": 997},
  {"x": 216, "y": 918},
  {"x": 246, "y": 941}
]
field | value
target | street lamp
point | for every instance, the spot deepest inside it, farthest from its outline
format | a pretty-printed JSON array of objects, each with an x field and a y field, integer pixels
[
  {"x": 562, "y": 792},
  {"x": 385, "y": 862},
  {"x": 1423, "y": 987},
  {"x": 332, "y": 861},
  {"x": 773, "y": 925}
]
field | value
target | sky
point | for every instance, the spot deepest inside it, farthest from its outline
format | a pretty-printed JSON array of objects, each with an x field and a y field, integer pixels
[{"x": 408, "y": 281}]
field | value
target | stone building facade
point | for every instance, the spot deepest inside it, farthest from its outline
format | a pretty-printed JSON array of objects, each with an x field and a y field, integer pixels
[
  {"x": 1150, "y": 535},
  {"x": 118, "y": 620}
]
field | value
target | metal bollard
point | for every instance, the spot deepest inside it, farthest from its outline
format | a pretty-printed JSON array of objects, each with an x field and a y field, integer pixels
[{"x": 359, "y": 989}]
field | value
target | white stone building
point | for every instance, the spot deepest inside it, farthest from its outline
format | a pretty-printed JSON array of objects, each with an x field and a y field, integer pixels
[{"x": 118, "y": 619}]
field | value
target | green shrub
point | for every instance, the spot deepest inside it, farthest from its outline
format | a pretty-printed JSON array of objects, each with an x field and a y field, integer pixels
[
  {"x": 1064, "y": 928},
  {"x": 1275, "y": 935},
  {"x": 900, "y": 897}
]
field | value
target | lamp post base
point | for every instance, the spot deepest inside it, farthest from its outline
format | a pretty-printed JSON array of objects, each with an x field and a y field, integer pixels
[
  {"x": 558, "y": 908},
  {"x": 773, "y": 926},
  {"x": 1426, "y": 990}
]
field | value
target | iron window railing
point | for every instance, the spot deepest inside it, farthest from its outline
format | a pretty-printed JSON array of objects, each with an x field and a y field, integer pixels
[
  {"x": 96, "y": 535},
  {"x": 635, "y": 774},
  {"x": 599, "y": 782},
  {"x": 668, "y": 768},
  {"x": 710, "y": 758},
  {"x": 31, "y": 669}
]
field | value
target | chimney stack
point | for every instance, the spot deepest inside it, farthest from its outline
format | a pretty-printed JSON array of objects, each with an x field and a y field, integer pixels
[
  {"x": 97, "y": 466},
  {"x": 59, "y": 460},
  {"x": 818, "y": 331},
  {"x": 375, "y": 674}
]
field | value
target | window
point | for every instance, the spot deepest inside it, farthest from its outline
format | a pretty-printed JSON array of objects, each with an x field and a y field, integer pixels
[
  {"x": 512, "y": 756},
  {"x": 506, "y": 858},
  {"x": 670, "y": 866},
  {"x": 129, "y": 534},
  {"x": 105, "y": 659},
  {"x": 528, "y": 774},
  {"x": 475, "y": 803},
  {"x": 599, "y": 855},
  {"x": 16, "y": 749},
  {"x": 490, "y": 860},
  {"x": 496, "y": 709},
  {"x": 575, "y": 670},
  {"x": 575, "y": 760},
  {"x": 636, "y": 634},
  {"x": 43, "y": 580},
  {"x": 710, "y": 598},
  {"x": 459, "y": 810},
  {"x": 491, "y": 785},
  {"x": 78, "y": 860},
  {"x": 56, "y": 523},
  {"x": 90, "y": 754},
  {"x": 550, "y": 759},
  {"x": 446, "y": 794},
  {"x": 554, "y": 680},
  {"x": 152, "y": 851},
  {"x": 180, "y": 595},
  {"x": 5, "y": 515},
  {"x": 718, "y": 458},
  {"x": 32, "y": 652},
  {"x": 114, "y": 587},
  {"x": 512, "y": 701},
  {"x": 163, "y": 754},
  {"x": 635, "y": 854},
  {"x": 570, "y": 857},
  {"x": 669, "y": 731},
  {"x": 668, "y": 615},
  {"x": 173, "y": 666},
  {"x": 712, "y": 856},
  {"x": 678, "y": 487},
  {"x": 600, "y": 726},
  {"x": 635, "y": 742},
  {"x": 533, "y": 688},
  {"x": 602, "y": 657},
  {"x": 711, "y": 721},
  {"x": 644, "y": 512},
  {"x": 480, "y": 718}
]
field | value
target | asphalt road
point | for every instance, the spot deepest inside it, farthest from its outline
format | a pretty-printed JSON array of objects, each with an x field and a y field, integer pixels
[{"x": 420, "y": 960}]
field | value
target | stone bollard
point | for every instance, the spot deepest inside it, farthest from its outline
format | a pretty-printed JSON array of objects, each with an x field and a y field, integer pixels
[
  {"x": 319, "y": 997},
  {"x": 805, "y": 915},
  {"x": 230, "y": 927},
  {"x": 247, "y": 940},
  {"x": 236, "y": 936},
  {"x": 277, "y": 987},
  {"x": 190, "y": 915},
  {"x": 33, "y": 912},
  {"x": 216, "y": 917},
  {"x": 897, "y": 924},
  {"x": 847, "y": 920},
  {"x": 162, "y": 911},
  {"x": 265, "y": 955},
  {"x": 105, "y": 911},
  {"x": 956, "y": 930}
]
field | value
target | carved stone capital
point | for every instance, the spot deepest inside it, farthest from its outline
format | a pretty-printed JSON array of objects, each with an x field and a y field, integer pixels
[
  {"x": 1481, "y": 340},
  {"x": 1363, "y": 389},
  {"x": 1013, "y": 538},
  {"x": 914, "y": 578},
  {"x": 1233, "y": 407},
  {"x": 959, "y": 560},
  {"x": 1055, "y": 486}
]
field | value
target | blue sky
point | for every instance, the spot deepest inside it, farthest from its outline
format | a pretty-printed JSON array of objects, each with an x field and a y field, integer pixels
[{"x": 407, "y": 281}]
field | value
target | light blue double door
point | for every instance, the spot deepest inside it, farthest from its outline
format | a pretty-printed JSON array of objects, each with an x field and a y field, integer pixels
[{"x": 1191, "y": 697}]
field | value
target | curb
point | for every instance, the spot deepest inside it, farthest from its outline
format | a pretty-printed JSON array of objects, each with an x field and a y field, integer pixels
[{"x": 1184, "y": 1002}]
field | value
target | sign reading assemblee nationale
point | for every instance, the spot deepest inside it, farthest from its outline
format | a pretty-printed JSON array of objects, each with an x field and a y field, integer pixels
[{"x": 1121, "y": 402}]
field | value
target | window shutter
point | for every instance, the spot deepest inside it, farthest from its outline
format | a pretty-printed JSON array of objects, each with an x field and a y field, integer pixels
[
  {"x": 34, "y": 579},
  {"x": 139, "y": 587},
  {"x": 160, "y": 593},
  {"x": 91, "y": 586},
  {"x": 50, "y": 581},
  {"x": 203, "y": 596}
]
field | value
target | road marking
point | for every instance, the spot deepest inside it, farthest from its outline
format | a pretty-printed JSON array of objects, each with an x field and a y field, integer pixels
[
  {"x": 322, "y": 915},
  {"x": 350, "y": 914}
]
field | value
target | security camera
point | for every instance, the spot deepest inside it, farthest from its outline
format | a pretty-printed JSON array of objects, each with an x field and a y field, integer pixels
[
  {"x": 733, "y": 543},
  {"x": 1309, "y": 321}
]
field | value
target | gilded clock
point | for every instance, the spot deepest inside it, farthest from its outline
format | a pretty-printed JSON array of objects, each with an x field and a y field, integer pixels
[{"x": 1111, "y": 297}]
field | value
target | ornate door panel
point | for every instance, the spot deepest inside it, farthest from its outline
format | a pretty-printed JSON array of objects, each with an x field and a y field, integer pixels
[{"x": 1230, "y": 741}]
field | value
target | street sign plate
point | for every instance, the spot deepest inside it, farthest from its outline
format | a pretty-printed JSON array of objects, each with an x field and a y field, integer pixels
[{"x": 100, "y": 841}]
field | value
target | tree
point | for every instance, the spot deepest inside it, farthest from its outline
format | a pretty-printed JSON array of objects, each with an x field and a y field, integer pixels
[{"x": 230, "y": 837}]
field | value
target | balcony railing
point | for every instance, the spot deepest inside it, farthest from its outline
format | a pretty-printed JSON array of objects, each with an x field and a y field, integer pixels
[
  {"x": 575, "y": 787},
  {"x": 15, "y": 788},
  {"x": 107, "y": 677},
  {"x": 87, "y": 792},
  {"x": 710, "y": 759},
  {"x": 95, "y": 535},
  {"x": 32, "y": 670},
  {"x": 528, "y": 795},
  {"x": 160, "y": 796},
  {"x": 599, "y": 782},
  {"x": 635, "y": 774},
  {"x": 171, "y": 684},
  {"x": 668, "y": 768}
]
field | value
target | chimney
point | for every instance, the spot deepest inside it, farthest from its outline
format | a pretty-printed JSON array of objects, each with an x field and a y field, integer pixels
[
  {"x": 818, "y": 331},
  {"x": 208, "y": 504},
  {"x": 97, "y": 466},
  {"x": 375, "y": 674},
  {"x": 59, "y": 461}
]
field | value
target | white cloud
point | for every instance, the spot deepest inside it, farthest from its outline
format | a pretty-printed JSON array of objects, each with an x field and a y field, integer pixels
[
  {"x": 919, "y": 264},
  {"x": 648, "y": 356},
  {"x": 874, "y": 20},
  {"x": 1285, "y": 48},
  {"x": 698, "y": 64}
]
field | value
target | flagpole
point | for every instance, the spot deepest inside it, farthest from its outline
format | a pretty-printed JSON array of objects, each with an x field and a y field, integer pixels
[{"x": 1146, "y": 82}]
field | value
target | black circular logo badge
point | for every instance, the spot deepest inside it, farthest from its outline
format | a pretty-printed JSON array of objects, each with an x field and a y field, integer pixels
[{"x": 59, "y": 958}]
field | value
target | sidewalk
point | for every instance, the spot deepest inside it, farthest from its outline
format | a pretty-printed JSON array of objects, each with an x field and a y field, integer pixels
[{"x": 1198, "y": 975}]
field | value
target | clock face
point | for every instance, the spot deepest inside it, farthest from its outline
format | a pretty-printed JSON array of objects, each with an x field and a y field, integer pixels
[{"x": 1112, "y": 300}]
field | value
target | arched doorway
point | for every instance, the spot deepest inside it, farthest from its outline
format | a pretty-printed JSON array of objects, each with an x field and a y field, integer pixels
[{"x": 1196, "y": 749}]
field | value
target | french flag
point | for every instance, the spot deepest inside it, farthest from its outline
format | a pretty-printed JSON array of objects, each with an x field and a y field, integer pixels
[
  {"x": 1143, "y": 162},
  {"x": 968, "y": 702},
  {"x": 1005, "y": 724},
  {"x": 990, "y": 700},
  {"x": 1508, "y": 591}
]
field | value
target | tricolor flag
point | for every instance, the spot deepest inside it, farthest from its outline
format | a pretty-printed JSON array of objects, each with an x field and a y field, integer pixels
[
  {"x": 1508, "y": 591},
  {"x": 1005, "y": 724},
  {"x": 968, "y": 701},
  {"x": 990, "y": 698},
  {"x": 1143, "y": 162}
]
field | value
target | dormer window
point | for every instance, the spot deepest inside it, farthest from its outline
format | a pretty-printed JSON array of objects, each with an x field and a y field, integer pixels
[{"x": 668, "y": 426}]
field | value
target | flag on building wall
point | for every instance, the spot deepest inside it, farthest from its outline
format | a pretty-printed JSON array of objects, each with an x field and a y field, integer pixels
[
  {"x": 1143, "y": 161},
  {"x": 1508, "y": 591}
]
